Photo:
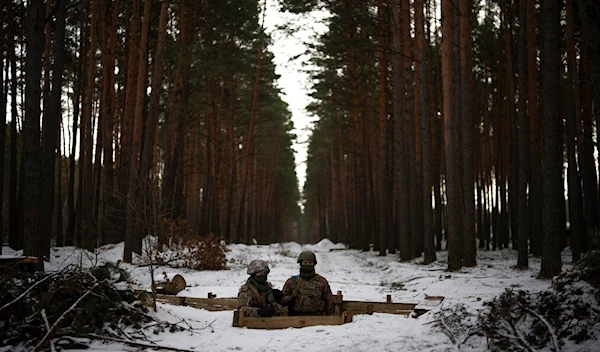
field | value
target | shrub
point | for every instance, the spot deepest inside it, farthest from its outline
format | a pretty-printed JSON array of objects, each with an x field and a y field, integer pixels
[{"x": 178, "y": 246}]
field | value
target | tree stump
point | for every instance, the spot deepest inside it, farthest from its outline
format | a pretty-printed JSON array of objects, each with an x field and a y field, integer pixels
[{"x": 171, "y": 287}]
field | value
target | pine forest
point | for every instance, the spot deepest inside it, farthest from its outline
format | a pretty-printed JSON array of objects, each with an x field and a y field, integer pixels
[{"x": 438, "y": 125}]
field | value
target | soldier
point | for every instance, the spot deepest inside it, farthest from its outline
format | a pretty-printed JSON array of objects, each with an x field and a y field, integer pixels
[
  {"x": 308, "y": 293},
  {"x": 256, "y": 297}
]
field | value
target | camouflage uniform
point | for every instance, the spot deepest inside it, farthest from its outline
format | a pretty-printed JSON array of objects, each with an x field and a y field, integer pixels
[
  {"x": 250, "y": 300},
  {"x": 310, "y": 296}
]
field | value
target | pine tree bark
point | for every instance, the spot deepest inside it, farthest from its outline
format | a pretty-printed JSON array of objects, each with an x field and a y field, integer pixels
[
  {"x": 86, "y": 187},
  {"x": 382, "y": 94},
  {"x": 51, "y": 124},
  {"x": 400, "y": 154},
  {"x": 468, "y": 132},
  {"x": 523, "y": 222},
  {"x": 135, "y": 210},
  {"x": 15, "y": 238},
  {"x": 108, "y": 44},
  {"x": 33, "y": 227},
  {"x": 422, "y": 68},
  {"x": 572, "y": 116},
  {"x": 452, "y": 139},
  {"x": 535, "y": 193},
  {"x": 552, "y": 140},
  {"x": 3, "y": 102}
]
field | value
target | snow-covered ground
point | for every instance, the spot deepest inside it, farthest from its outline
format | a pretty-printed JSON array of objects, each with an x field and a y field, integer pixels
[{"x": 364, "y": 276}]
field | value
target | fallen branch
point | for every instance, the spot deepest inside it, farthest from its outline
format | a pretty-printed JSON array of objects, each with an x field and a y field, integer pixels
[
  {"x": 138, "y": 344},
  {"x": 43, "y": 312},
  {"x": 62, "y": 317},
  {"x": 25, "y": 293},
  {"x": 545, "y": 322}
]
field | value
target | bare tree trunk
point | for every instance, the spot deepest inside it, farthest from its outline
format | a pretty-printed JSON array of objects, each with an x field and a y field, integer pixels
[
  {"x": 452, "y": 139},
  {"x": 245, "y": 222},
  {"x": 3, "y": 102},
  {"x": 400, "y": 154},
  {"x": 72, "y": 200},
  {"x": 86, "y": 189},
  {"x": 577, "y": 227},
  {"x": 172, "y": 188},
  {"x": 382, "y": 93},
  {"x": 134, "y": 210},
  {"x": 535, "y": 132},
  {"x": 422, "y": 78},
  {"x": 33, "y": 227},
  {"x": 523, "y": 221},
  {"x": 552, "y": 151},
  {"x": 152, "y": 120},
  {"x": 108, "y": 42},
  {"x": 51, "y": 124},
  {"x": 468, "y": 132},
  {"x": 15, "y": 240}
]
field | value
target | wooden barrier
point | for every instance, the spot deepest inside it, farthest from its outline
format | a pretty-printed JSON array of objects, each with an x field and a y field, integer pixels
[
  {"x": 25, "y": 263},
  {"x": 356, "y": 307},
  {"x": 211, "y": 304},
  {"x": 239, "y": 320}
]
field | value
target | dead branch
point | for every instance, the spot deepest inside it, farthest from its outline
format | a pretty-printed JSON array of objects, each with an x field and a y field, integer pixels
[
  {"x": 25, "y": 293},
  {"x": 138, "y": 344},
  {"x": 545, "y": 322},
  {"x": 43, "y": 313},
  {"x": 62, "y": 317}
]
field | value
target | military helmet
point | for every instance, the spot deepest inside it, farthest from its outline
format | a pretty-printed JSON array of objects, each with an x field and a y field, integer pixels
[
  {"x": 307, "y": 255},
  {"x": 258, "y": 265}
]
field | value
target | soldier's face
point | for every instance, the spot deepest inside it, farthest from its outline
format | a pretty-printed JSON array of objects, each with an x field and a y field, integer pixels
[{"x": 308, "y": 262}]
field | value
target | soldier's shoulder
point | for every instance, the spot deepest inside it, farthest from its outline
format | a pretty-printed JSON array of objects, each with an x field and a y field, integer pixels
[
  {"x": 245, "y": 288},
  {"x": 322, "y": 279}
]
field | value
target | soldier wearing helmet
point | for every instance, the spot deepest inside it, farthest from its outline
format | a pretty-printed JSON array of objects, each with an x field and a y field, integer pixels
[
  {"x": 308, "y": 293},
  {"x": 256, "y": 297}
]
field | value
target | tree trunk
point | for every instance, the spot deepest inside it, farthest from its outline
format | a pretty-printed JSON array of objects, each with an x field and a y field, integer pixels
[
  {"x": 400, "y": 155},
  {"x": 86, "y": 188},
  {"x": 523, "y": 221},
  {"x": 422, "y": 68},
  {"x": 15, "y": 238},
  {"x": 133, "y": 228},
  {"x": 452, "y": 140},
  {"x": 552, "y": 150},
  {"x": 382, "y": 94},
  {"x": 50, "y": 127},
  {"x": 535, "y": 133},
  {"x": 468, "y": 132},
  {"x": 108, "y": 41},
  {"x": 3, "y": 101},
  {"x": 33, "y": 227},
  {"x": 572, "y": 116}
]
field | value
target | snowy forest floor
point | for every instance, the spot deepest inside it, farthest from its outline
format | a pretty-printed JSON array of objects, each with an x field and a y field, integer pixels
[{"x": 363, "y": 276}]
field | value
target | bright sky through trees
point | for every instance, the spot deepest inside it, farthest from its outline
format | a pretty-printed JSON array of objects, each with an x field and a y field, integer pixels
[{"x": 290, "y": 57}]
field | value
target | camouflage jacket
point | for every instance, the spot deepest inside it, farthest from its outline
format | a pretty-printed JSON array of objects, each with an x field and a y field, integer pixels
[
  {"x": 250, "y": 300},
  {"x": 308, "y": 296}
]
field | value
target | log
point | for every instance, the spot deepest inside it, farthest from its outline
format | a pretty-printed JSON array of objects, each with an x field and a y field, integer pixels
[
  {"x": 172, "y": 287},
  {"x": 364, "y": 307}
]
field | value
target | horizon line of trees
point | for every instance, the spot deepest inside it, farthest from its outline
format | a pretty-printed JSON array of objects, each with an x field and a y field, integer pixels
[
  {"x": 117, "y": 114},
  {"x": 456, "y": 122}
]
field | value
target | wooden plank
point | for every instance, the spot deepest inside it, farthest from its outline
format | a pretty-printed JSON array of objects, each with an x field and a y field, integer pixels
[
  {"x": 363, "y": 307},
  {"x": 173, "y": 300},
  {"x": 427, "y": 304},
  {"x": 288, "y": 321},
  {"x": 212, "y": 304}
]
